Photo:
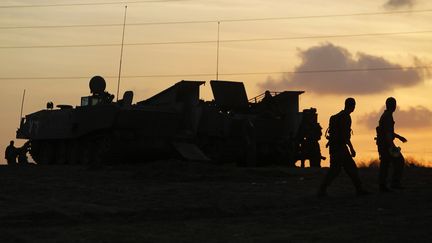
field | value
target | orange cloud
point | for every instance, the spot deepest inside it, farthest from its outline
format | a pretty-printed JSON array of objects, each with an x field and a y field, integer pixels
[
  {"x": 351, "y": 74},
  {"x": 397, "y": 4},
  {"x": 412, "y": 118}
]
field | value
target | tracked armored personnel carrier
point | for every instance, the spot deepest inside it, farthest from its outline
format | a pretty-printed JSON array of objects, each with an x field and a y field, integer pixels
[
  {"x": 103, "y": 131},
  {"x": 267, "y": 129}
]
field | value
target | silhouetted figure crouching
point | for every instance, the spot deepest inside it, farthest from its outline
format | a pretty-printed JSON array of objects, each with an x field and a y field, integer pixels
[
  {"x": 341, "y": 149},
  {"x": 388, "y": 152},
  {"x": 22, "y": 154}
]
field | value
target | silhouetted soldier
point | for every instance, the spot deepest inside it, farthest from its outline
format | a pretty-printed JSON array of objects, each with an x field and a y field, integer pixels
[
  {"x": 267, "y": 97},
  {"x": 22, "y": 153},
  {"x": 389, "y": 154},
  {"x": 11, "y": 154},
  {"x": 312, "y": 145},
  {"x": 268, "y": 105},
  {"x": 309, "y": 134},
  {"x": 341, "y": 149},
  {"x": 309, "y": 145}
]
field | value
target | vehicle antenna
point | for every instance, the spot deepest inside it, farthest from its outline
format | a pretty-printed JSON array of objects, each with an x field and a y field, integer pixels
[
  {"x": 22, "y": 105},
  {"x": 121, "y": 53},
  {"x": 217, "y": 52}
]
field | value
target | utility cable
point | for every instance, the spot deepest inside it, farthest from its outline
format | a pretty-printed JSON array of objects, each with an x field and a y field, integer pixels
[
  {"x": 215, "y": 21},
  {"x": 86, "y": 4},
  {"x": 234, "y": 74},
  {"x": 221, "y": 41}
]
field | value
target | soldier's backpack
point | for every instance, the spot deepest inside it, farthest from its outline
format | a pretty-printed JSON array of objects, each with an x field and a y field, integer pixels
[
  {"x": 333, "y": 132},
  {"x": 380, "y": 137}
]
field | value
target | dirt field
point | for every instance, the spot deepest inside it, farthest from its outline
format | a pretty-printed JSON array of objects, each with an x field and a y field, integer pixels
[{"x": 173, "y": 201}]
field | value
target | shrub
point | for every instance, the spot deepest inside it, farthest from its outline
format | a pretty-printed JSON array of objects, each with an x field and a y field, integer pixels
[{"x": 409, "y": 162}]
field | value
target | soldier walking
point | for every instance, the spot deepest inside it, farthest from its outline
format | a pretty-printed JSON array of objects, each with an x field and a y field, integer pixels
[
  {"x": 341, "y": 150},
  {"x": 389, "y": 154}
]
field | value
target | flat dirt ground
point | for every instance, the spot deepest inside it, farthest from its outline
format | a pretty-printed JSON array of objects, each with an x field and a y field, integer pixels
[{"x": 175, "y": 201}]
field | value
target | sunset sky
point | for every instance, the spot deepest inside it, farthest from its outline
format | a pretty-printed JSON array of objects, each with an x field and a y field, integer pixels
[{"x": 366, "y": 49}]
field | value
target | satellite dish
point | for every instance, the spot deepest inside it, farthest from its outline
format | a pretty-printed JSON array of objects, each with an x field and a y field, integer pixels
[{"x": 97, "y": 85}]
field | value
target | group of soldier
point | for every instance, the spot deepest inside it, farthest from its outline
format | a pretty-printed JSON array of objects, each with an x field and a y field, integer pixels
[
  {"x": 13, "y": 153},
  {"x": 340, "y": 148},
  {"x": 342, "y": 151}
]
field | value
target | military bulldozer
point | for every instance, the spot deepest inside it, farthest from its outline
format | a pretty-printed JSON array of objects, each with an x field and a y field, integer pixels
[
  {"x": 103, "y": 131},
  {"x": 258, "y": 131}
]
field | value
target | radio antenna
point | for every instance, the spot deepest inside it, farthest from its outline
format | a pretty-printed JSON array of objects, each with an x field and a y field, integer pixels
[
  {"x": 217, "y": 52},
  {"x": 22, "y": 105},
  {"x": 121, "y": 53}
]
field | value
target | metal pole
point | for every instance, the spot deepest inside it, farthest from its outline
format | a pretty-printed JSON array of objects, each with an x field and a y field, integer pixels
[
  {"x": 22, "y": 105},
  {"x": 121, "y": 53},
  {"x": 217, "y": 52}
]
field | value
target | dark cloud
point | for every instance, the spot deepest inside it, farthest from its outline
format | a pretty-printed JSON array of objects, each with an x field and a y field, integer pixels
[
  {"x": 412, "y": 118},
  {"x": 331, "y": 57},
  {"x": 397, "y": 4}
]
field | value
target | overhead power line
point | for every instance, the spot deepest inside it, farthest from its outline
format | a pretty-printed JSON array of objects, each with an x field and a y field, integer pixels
[
  {"x": 221, "y": 41},
  {"x": 232, "y": 74},
  {"x": 215, "y": 21},
  {"x": 331, "y": 15},
  {"x": 105, "y": 25},
  {"x": 86, "y": 4}
]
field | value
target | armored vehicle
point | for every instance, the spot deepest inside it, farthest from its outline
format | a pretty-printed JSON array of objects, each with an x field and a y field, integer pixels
[
  {"x": 101, "y": 130},
  {"x": 266, "y": 129}
]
